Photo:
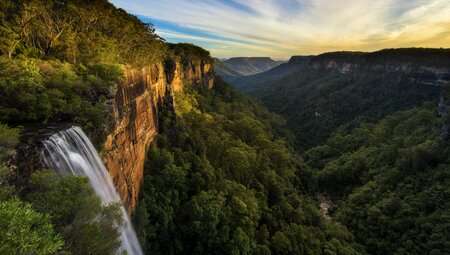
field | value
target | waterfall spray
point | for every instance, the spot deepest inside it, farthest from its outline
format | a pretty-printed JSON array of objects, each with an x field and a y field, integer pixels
[{"x": 71, "y": 152}]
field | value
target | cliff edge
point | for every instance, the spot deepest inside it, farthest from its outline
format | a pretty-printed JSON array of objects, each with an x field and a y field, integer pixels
[{"x": 134, "y": 118}]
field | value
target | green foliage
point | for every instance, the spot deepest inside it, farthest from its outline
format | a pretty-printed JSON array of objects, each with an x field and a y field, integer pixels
[
  {"x": 9, "y": 137},
  {"x": 60, "y": 213},
  {"x": 7, "y": 191},
  {"x": 186, "y": 52},
  {"x": 317, "y": 101},
  {"x": 222, "y": 177},
  {"x": 77, "y": 33},
  {"x": 424, "y": 56},
  {"x": 389, "y": 182},
  {"x": 107, "y": 72},
  {"x": 59, "y": 59},
  {"x": 21, "y": 91},
  {"x": 386, "y": 179},
  {"x": 324, "y": 104},
  {"x": 36, "y": 90},
  {"x": 25, "y": 231},
  {"x": 77, "y": 213},
  {"x": 221, "y": 180}
]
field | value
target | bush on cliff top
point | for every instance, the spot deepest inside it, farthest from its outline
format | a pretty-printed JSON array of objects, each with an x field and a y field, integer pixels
[
  {"x": 187, "y": 53},
  {"x": 33, "y": 90}
]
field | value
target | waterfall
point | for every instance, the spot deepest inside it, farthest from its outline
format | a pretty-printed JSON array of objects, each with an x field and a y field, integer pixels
[{"x": 71, "y": 152}]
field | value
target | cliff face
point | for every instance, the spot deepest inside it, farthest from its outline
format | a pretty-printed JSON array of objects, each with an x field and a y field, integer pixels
[
  {"x": 133, "y": 118},
  {"x": 434, "y": 72}
]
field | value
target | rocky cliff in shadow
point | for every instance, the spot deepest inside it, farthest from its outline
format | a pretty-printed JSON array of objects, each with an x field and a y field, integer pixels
[{"x": 417, "y": 65}]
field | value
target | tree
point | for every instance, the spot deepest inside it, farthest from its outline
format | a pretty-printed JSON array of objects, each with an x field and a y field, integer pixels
[
  {"x": 15, "y": 24},
  {"x": 77, "y": 213},
  {"x": 25, "y": 231},
  {"x": 386, "y": 181},
  {"x": 55, "y": 18}
]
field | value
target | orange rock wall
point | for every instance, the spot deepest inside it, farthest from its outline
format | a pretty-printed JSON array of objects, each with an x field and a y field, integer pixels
[{"x": 134, "y": 119}]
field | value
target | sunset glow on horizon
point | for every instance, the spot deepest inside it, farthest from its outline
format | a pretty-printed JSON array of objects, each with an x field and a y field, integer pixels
[{"x": 280, "y": 29}]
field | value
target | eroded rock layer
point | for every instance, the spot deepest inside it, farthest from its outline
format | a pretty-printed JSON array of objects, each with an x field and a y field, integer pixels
[{"x": 134, "y": 120}]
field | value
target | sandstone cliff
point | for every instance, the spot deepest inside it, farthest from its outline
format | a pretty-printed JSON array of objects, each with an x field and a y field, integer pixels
[
  {"x": 420, "y": 66},
  {"x": 133, "y": 118}
]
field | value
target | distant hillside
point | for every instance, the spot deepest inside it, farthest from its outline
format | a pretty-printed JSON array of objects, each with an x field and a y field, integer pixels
[
  {"x": 341, "y": 89},
  {"x": 243, "y": 66},
  {"x": 252, "y": 82}
]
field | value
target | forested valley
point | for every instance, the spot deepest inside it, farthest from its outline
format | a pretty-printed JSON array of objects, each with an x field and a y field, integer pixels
[
  {"x": 373, "y": 151},
  {"x": 223, "y": 179},
  {"x": 372, "y": 139},
  {"x": 305, "y": 158}
]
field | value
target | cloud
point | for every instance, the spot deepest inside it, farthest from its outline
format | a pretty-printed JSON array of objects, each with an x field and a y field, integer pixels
[{"x": 281, "y": 28}]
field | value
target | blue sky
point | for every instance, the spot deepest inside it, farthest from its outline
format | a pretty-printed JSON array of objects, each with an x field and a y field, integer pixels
[{"x": 282, "y": 28}]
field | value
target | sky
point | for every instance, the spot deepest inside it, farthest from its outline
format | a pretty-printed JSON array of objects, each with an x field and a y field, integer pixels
[{"x": 282, "y": 28}]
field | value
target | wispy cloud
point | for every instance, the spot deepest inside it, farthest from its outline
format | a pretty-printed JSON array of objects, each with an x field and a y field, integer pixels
[{"x": 281, "y": 28}]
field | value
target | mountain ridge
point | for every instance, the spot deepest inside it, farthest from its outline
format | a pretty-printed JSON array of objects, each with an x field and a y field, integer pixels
[
  {"x": 243, "y": 66},
  {"x": 293, "y": 89},
  {"x": 392, "y": 60}
]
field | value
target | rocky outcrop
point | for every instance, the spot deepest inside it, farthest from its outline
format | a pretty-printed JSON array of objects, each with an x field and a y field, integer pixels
[
  {"x": 134, "y": 118},
  {"x": 27, "y": 156}
]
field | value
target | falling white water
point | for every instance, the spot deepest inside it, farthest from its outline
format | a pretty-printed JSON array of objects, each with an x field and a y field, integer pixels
[{"x": 71, "y": 151}]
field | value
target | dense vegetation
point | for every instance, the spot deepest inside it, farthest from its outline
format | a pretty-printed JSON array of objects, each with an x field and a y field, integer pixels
[
  {"x": 316, "y": 102},
  {"x": 422, "y": 56},
  {"x": 389, "y": 182},
  {"x": 77, "y": 32},
  {"x": 371, "y": 142},
  {"x": 53, "y": 214},
  {"x": 59, "y": 58},
  {"x": 23, "y": 229},
  {"x": 34, "y": 90},
  {"x": 222, "y": 180},
  {"x": 223, "y": 177},
  {"x": 186, "y": 52}
]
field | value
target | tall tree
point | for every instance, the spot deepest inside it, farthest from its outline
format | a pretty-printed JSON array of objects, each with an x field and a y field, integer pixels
[{"x": 15, "y": 22}]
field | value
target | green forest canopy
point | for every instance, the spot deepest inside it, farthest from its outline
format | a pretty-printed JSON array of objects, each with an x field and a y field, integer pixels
[
  {"x": 221, "y": 179},
  {"x": 389, "y": 182}
]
